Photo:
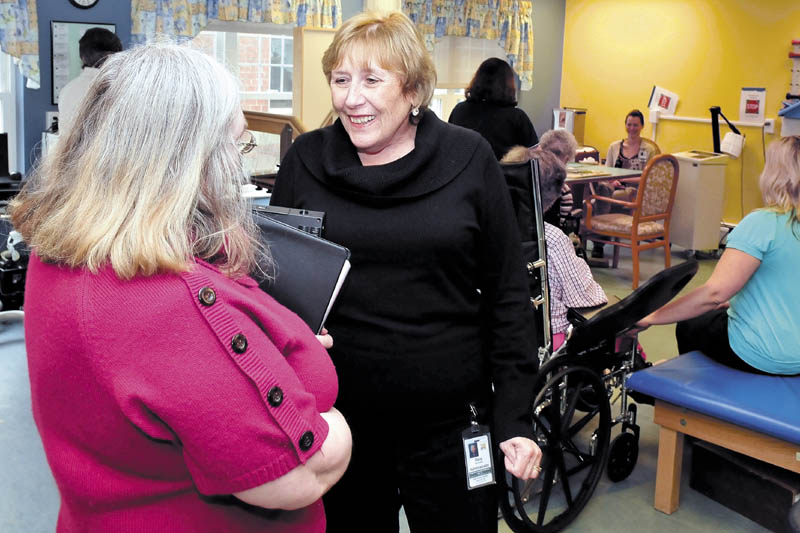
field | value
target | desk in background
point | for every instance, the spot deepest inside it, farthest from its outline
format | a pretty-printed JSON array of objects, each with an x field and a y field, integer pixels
[{"x": 582, "y": 174}]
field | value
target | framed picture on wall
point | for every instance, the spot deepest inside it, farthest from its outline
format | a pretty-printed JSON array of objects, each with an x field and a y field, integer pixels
[{"x": 65, "y": 56}]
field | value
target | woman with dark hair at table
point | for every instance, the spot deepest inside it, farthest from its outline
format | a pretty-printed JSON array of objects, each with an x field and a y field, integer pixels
[
  {"x": 633, "y": 152},
  {"x": 490, "y": 108},
  {"x": 435, "y": 315}
]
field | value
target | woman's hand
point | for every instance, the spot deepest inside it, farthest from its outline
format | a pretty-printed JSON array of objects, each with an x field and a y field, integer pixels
[
  {"x": 325, "y": 339},
  {"x": 522, "y": 457},
  {"x": 640, "y": 326}
]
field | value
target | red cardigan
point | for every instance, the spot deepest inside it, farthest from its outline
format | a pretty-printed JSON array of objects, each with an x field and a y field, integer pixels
[{"x": 156, "y": 399}]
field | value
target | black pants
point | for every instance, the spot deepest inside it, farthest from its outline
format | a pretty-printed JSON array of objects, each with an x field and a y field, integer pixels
[
  {"x": 417, "y": 465},
  {"x": 708, "y": 333}
]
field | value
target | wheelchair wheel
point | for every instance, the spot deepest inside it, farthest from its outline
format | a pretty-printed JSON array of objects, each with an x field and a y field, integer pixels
[
  {"x": 622, "y": 456},
  {"x": 574, "y": 446}
]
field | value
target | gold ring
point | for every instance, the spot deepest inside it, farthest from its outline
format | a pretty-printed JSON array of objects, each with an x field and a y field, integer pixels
[{"x": 537, "y": 468}]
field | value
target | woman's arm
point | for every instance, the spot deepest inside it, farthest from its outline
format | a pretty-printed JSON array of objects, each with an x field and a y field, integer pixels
[
  {"x": 731, "y": 273},
  {"x": 307, "y": 483},
  {"x": 611, "y": 159},
  {"x": 580, "y": 288}
]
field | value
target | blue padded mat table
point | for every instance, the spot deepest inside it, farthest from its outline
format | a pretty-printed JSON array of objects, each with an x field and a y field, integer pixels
[
  {"x": 752, "y": 414},
  {"x": 767, "y": 404}
]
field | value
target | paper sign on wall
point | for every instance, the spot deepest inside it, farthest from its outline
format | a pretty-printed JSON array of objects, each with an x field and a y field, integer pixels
[
  {"x": 751, "y": 104},
  {"x": 563, "y": 119},
  {"x": 663, "y": 100}
]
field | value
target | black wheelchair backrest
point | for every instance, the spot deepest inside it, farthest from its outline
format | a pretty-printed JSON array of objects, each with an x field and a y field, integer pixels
[{"x": 622, "y": 316}]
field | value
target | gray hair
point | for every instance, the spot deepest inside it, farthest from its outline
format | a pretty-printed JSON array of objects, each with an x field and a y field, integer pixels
[
  {"x": 552, "y": 173},
  {"x": 150, "y": 177},
  {"x": 561, "y": 143}
]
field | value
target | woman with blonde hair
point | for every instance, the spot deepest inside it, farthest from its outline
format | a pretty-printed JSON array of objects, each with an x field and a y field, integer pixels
[
  {"x": 746, "y": 314},
  {"x": 163, "y": 380},
  {"x": 436, "y": 311}
]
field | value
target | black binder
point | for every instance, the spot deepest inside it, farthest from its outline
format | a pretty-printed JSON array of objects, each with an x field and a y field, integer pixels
[{"x": 308, "y": 270}]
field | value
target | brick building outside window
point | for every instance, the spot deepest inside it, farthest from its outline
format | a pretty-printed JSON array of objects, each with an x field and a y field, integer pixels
[{"x": 264, "y": 65}]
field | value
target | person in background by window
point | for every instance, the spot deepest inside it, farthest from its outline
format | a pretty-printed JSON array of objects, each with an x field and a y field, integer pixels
[
  {"x": 491, "y": 108},
  {"x": 94, "y": 47},
  {"x": 170, "y": 392},
  {"x": 435, "y": 315},
  {"x": 633, "y": 152}
]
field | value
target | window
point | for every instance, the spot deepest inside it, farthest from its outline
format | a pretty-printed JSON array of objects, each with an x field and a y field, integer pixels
[
  {"x": 8, "y": 112},
  {"x": 444, "y": 100},
  {"x": 280, "y": 64},
  {"x": 262, "y": 62}
]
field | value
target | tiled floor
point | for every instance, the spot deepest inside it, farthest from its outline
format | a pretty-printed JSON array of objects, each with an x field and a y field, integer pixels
[
  {"x": 29, "y": 500},
  {"x": 628, "y": 505}
]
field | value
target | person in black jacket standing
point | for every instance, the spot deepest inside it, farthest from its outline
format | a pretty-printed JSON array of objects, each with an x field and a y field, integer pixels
[
  {"x": 490, "y": 109},
  {"x": 435, "y": 312}
]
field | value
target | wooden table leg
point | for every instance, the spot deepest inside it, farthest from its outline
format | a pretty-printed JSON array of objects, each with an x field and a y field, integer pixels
[{"x": 668, "y": 473}]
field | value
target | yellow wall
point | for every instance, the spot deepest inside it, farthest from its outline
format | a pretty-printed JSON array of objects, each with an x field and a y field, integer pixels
[{"x": 703, "y": 50}]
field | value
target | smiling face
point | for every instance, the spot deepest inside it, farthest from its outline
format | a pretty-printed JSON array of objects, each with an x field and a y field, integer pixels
[
  {"x": 373, "y": 109},
  {"x": 633, "y": 126}
]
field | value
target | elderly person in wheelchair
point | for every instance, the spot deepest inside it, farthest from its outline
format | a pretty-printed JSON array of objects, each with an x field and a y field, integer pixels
[
  {"x": 571, "y": 284},
  {"x": 579, "y": 381}
]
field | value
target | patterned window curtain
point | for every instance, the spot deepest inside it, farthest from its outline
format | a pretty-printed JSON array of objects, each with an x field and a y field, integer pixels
[
  {"x": 507, "y": 21},
  {"x": 19, "y": 36},
  {"x": 181, "y": 20}
]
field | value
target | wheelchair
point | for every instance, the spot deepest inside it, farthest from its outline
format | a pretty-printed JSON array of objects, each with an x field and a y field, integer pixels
[{"x": 577, "y": 385}]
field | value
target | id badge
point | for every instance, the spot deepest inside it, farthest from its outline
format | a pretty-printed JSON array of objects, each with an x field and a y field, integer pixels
[{"x": 478, "y": 456}]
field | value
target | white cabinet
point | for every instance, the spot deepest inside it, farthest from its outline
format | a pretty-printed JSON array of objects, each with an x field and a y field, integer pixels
[{"x": 697, "y": 212}]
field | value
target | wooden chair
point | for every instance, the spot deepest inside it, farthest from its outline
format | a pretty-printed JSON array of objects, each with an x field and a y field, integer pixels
[
  {"x": 647, "y": 226},
  {"x": 585, "y": 152}
]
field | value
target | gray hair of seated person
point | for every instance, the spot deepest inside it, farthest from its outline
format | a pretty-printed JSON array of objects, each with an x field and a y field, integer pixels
[
  {"x": 561, "y": 143},
  {"x": 780, "y": 180},
  {"x": 150, "y": 176},
  {"x": 552, "y": 173}
]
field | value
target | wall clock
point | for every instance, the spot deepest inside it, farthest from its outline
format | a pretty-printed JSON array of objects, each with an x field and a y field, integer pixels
[{"x": 84, "y": 4}]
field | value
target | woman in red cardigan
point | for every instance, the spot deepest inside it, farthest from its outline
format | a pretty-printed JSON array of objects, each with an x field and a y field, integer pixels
[{"x": 170, "y": 393}]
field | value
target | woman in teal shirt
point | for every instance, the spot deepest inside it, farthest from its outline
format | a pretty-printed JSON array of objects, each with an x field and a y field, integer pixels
[{"x": 746, "y": 315}]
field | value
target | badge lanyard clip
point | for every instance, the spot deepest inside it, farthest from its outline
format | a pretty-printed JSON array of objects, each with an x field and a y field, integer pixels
[
  {"x": 473, "y": 419},
  {"x": 478, "y": 460}
]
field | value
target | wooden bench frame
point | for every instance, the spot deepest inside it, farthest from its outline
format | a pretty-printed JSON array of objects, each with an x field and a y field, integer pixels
[{"x": 675, "y": 422}]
